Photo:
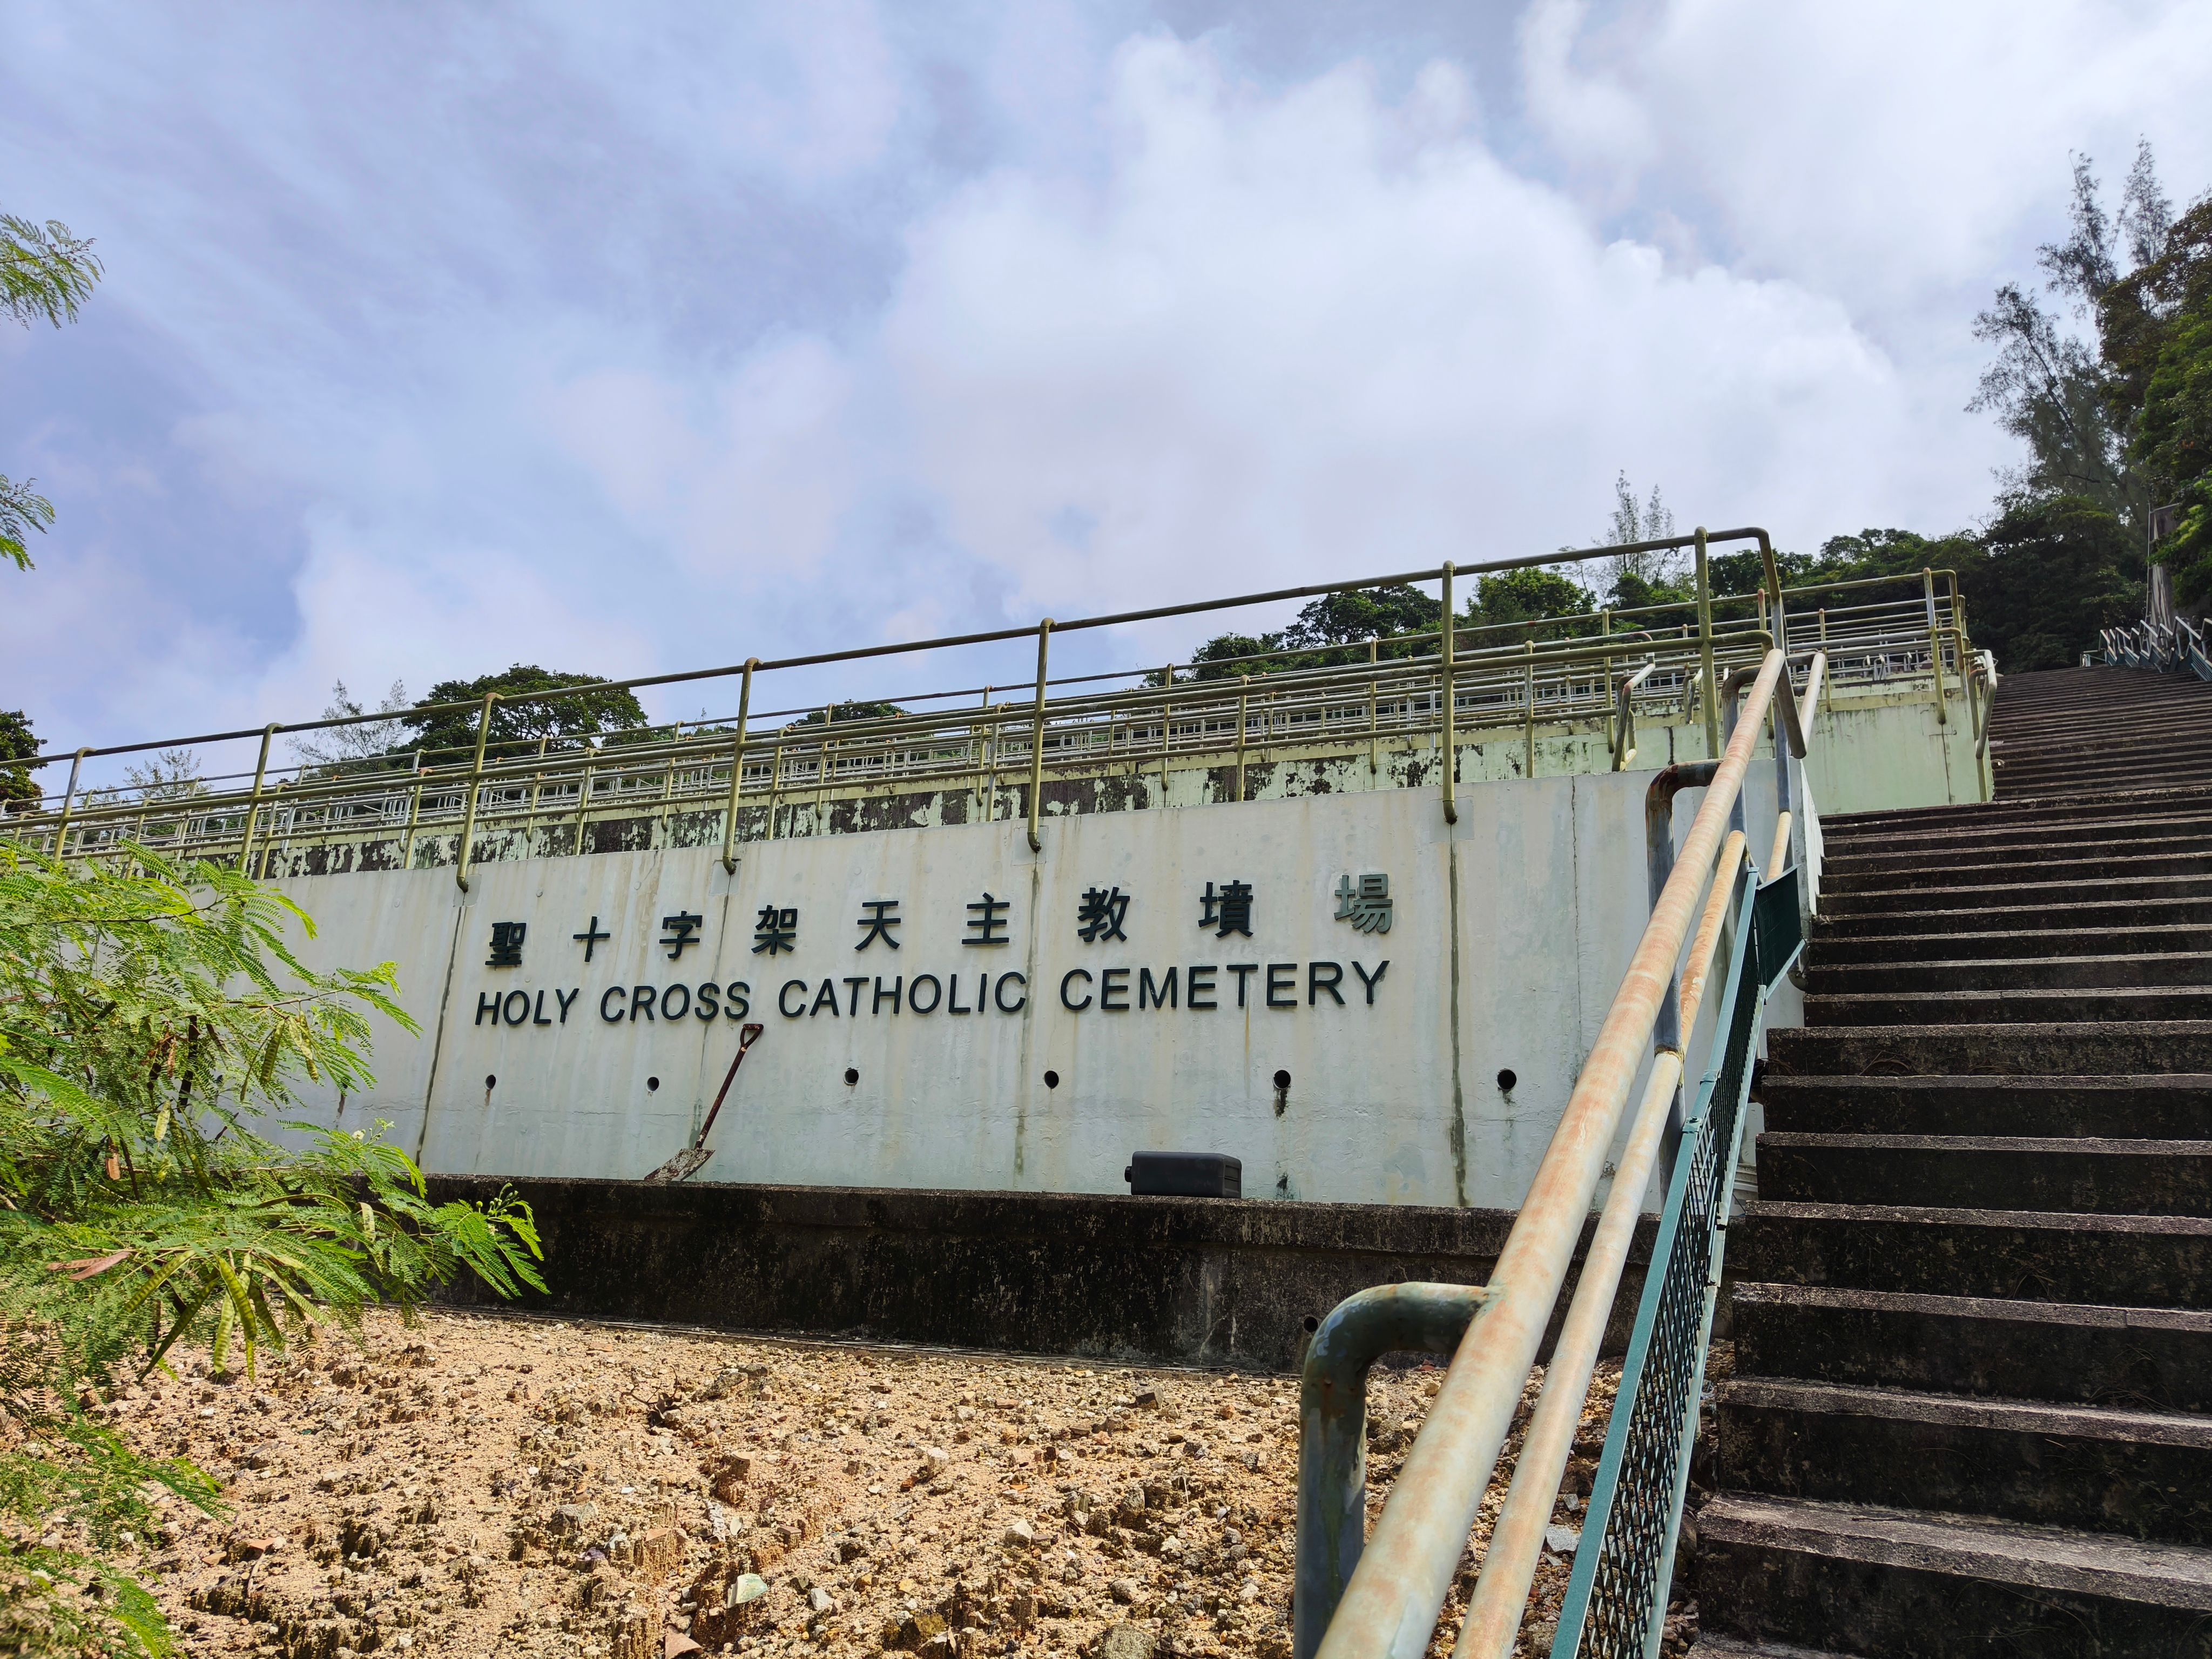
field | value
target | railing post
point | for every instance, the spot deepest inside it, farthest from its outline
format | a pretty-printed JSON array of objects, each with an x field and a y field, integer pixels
[
  {"x": 1935, "y": 642},
  {"x": 1605, "y": 632},
  {"x": 737, "y": 767},
  {"x": 982, "y": 739},
  {"x": 68, "y": 805},
  {"x": 1528, "y": 767},
  {"x": 1448, "y": 649},
  {"x": 253, "y": 801},
  {"x": 475, "y": 780},
  {"x": 1373, "y": 672},
  {"x": 414, "y": 816},
  {"x": 1036, "y": 738},
  {"x": 1332, "y": 1514},
  {"x": 1708, "y": 684},
  {"x": 1243, "y": 698},
  {"x": 774, "y": 781},
  {"x": 584, "y": 791},
  {"x": 1167, "y": 728}
]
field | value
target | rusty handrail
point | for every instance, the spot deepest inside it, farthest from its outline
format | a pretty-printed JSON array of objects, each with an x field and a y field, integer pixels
[
  {"x": 1391, "y": 1605},
  {"x": 1517, "y": 1539}
]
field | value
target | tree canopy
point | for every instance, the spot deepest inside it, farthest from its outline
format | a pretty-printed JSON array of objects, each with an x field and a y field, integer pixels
[
  {"x": 46, "y": 276},
  {"x": 514, "y": 726},
  {"x": 154, "y": 1019}
]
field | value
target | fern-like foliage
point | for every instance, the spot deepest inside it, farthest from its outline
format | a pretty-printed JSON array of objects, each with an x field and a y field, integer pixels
[{"x": 154, "y": 1021}]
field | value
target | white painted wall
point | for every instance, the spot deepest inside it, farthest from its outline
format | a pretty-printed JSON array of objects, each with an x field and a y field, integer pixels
[{"x": 1510, "y": 933}]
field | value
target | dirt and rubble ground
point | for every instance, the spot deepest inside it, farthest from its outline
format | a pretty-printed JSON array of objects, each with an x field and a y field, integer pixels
[{"x": 496, "y": 1487}]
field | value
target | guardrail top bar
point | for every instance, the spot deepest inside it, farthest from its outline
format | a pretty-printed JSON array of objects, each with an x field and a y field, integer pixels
[{"x": 987, "y": 637}]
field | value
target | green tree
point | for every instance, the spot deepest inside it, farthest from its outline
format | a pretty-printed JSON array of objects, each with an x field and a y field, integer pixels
[
  {"x": 45, "y": 275},
  {"x": 153, "y": 1018},
  {"x": 2075, "y": 402},
  {"x": 1631, "y": 579},
  {"x": 2055, "y": 570},
  {"x": 2157, "y": 326},
  {"x": 849, "y": 711},
  {"x": 1531, "y": 593},
  {"x": 517, "y": 726},
  {"x": 371, "y": 746},
  {"x": 19, "y": 791}
]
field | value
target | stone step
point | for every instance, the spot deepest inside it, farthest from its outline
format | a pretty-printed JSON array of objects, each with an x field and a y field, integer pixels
[
  {"x": 2147, "y": 940},
  {"x": 2016, "y": 896},
  {"x": 1861, "y": 1579},
  {"x": 2117, "y": 1260},
  {"x": 2011, "y": 973},
  {"x": 2111, "y": 1469},
  {"x": 2070, "y": 1005},
  {"x": 1861, "y": 830},
  {"x": 2076, "y": 1174},
  {"x": 2023, "y": 1050},
  {"x": 2175, "y": 1108},
  {"x": 2074, "y": 913},
  {"x": 2146, "y": 1358},
  {"x": 1712, "y": 1645},
  {"x": 2042, "y": 863}
]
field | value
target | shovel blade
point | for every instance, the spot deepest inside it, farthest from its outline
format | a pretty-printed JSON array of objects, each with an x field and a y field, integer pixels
[{"x": 682, "y": 1167}]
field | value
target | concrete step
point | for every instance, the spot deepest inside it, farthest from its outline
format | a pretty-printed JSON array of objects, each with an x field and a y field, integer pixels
[
  {"x": 1861, "y": 1579},
  {"x": 2175, "y": 1108},
  {"x": 2043, "y": 771},
  {"x": 2076, "y": 912},
  {"x": 2042, "y": 862},
  {"x": 2018, "y": 896},
  {"x": 2117, "y": 1260},
  {"x": 2076, "y": 1174},
  {"x": 2148, "y": 939},
  {"x": 2022, "y": 1049},
  {"x": 1861, "y": 831},
  {"x": 2109, "y": 1470},
  {"x": 1712, "y": 1644},
  {"x": 2070, "y": 1005},
  {"x": 2011, "y": 973},
  {"x": 2146, "y": 1358}
]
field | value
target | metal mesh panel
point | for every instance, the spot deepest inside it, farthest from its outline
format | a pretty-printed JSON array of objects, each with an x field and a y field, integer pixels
[{"x": 1618, "y": 1594}]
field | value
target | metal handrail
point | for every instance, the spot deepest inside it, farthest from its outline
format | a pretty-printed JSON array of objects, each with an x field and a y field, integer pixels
[
  {"x": 1555, "y": 681},
  {"x": 1391, "y": 1604},
  {"x": 1334, "y": 707},
  {"x": 1617, "y": 1593}
]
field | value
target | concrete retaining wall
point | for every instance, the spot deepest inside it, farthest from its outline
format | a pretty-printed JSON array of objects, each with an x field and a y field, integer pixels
[{"x": 1208, "y": 1282}]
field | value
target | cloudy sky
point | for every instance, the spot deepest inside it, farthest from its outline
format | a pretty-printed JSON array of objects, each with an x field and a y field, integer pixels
[{"x": 626, "y": 339}]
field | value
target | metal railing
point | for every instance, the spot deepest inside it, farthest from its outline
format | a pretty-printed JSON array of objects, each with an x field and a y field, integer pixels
[
  {"x": 1383, "y": 1596},
  {"x": 992, "y": 749},
  {"x": 1617, "y": 1595},
  {"x": 2174, "y": 648}
]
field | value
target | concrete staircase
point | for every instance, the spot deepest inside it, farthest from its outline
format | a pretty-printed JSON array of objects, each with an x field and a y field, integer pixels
[{"x": 1972, "y": 1408}]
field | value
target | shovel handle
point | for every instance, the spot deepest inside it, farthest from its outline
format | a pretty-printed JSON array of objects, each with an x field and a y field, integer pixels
[{"x": 746, "y": 1037}]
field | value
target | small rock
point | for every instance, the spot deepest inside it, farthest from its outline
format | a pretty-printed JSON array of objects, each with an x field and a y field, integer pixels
[
  {"x": 574, "y": 1518},
  {"x": 1561, "y": 1541},
  {"x": 820, "y": 1600},
  {"x": 1123, "y": 1591},
  {"x": 745, "y": 1587},
  {"x": 1020, "y": 1536},
  {"x": 675, "y": 1643},
  {"x": 1148, "y": 1397},
  {"x": 933, "y": 1461},
  {"x": 1125, "y": 1641},
  {"x": 1249, "y": 1592}
]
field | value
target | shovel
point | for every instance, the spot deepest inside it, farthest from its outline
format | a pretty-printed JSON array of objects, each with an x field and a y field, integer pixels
[{"x": 693, "y": 1158}]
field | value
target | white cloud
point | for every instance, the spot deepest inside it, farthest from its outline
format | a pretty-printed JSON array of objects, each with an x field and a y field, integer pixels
[
  {"x": 1881, "y": 149},
  {"x": 746, "y": 481},
  {"x": 1313, "y": 333}
]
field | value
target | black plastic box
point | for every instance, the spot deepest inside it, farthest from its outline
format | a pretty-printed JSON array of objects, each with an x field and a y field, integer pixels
[{"x": 1184, "y": 1175}]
